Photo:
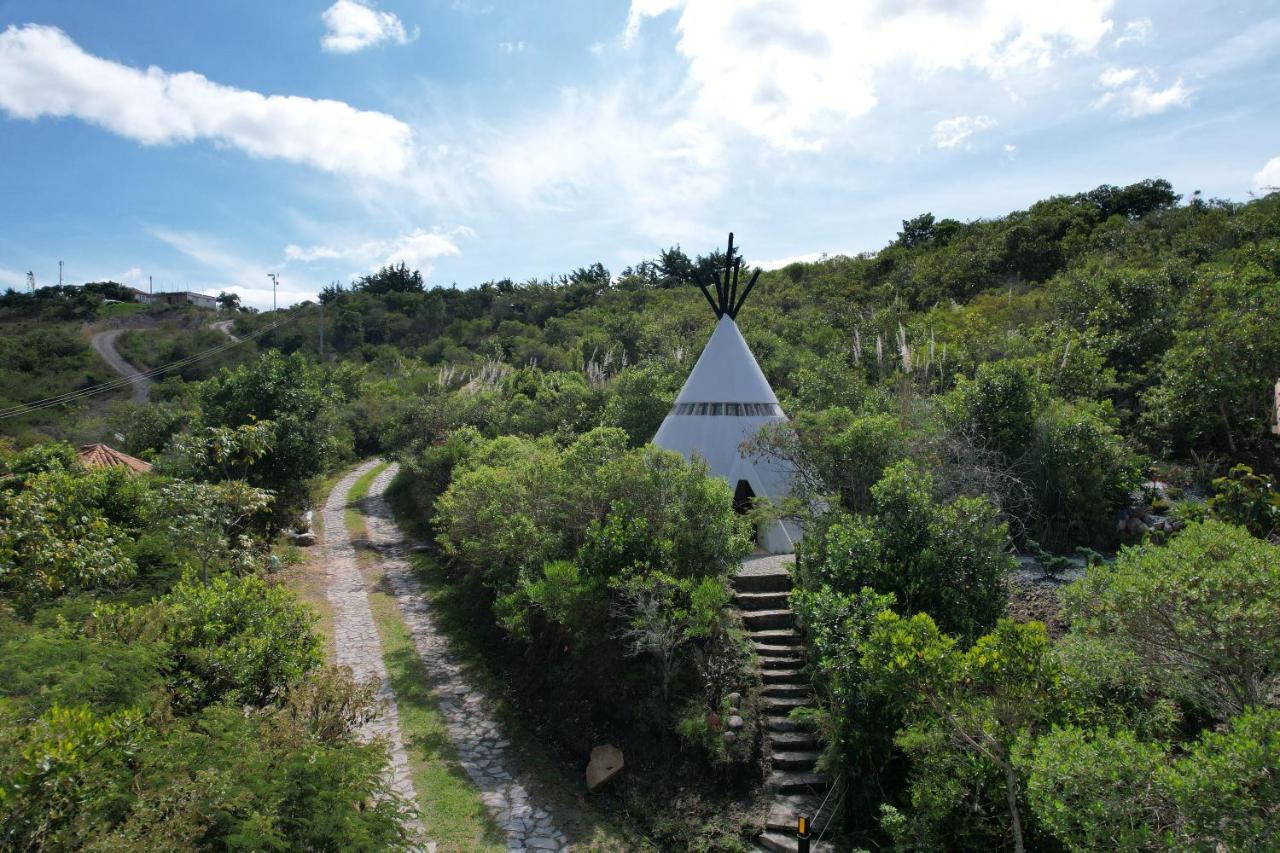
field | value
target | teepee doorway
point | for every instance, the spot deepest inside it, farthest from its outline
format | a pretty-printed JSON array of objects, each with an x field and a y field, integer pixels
[{"x": 742, "y": 496}]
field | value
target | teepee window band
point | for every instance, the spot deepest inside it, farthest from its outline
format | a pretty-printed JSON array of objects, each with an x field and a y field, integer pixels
[{"x": 753, "y": 410}]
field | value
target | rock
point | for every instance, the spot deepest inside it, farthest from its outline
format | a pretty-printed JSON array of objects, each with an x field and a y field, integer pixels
[
  {"x": 1137, "y": 525},
  {"x": 735, "y": 699},
  {"x": 606, "y": 762},
  {"x": 303, "y": 540},
  {"x": 735, "y": 722},
  {"x": 730, "y": 738}
]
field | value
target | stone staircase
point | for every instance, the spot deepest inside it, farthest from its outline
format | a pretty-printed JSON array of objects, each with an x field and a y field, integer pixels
[{"x": 760, "y": 592}]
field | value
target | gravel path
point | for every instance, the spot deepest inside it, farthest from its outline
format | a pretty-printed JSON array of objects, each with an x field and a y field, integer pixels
[
  {"x": 482, "y": 750},
  {"x": 355, "y": 636},
  {"x": 104, "y": 343}
]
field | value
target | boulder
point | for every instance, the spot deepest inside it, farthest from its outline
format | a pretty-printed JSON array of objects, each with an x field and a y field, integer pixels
[
  {"x": 735, "y": 722},
  {"x": 730, "y": 738},
  {"x": 303, "y": 540},
  {"x": 606, "y": 762},
  {"x": 735, "y": 699}
]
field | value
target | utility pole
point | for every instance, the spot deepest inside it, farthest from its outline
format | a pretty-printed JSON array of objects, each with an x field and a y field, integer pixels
[
  {"x": 275, "y": 282},
  {"x": 151, "y": 287},
  {"x": 322, "y": 332},
  {"x": 31, "y": 280},
  {"x": 59, "y": 273}
]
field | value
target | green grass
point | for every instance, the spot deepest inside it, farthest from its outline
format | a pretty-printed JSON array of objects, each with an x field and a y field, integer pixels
[
  {"x": 121, "y": 309},
  {"x": 450, "y": 804},
  {"x": 359, "y": 491}
]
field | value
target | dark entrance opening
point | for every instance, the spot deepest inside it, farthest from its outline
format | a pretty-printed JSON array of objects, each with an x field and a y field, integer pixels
[{"x": 742, "y": 496}]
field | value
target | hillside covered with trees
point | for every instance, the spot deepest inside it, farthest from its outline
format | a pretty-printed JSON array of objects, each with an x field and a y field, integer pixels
[{"x": 1088, "y": 381}]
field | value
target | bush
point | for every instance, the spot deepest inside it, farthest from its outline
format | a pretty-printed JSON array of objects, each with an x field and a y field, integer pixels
[
  {"x": 1199, "y": 613},
  {"x": 947, "y": 561},
  {"x": 238, "y": 639},
  {"x": 1099, "y": 788}
]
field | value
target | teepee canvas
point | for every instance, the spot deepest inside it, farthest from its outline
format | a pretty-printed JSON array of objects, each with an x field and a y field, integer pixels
[{"x": 725, "y": 401}]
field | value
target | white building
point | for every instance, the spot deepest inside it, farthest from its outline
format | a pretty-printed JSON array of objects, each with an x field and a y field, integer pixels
[{"x": 726, "y": 401}]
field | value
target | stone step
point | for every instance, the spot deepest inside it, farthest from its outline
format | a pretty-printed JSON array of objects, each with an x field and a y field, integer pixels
[
  {"x": 787, "y": 782},
  {"x": 775, "y": 637},
  {"x": 782, "y": 676},
  {"x": 779, "y": 842},
  {"x": 749, "y": 601},
  {"x": 794, "y": 759},
  {"x": 769, "y": 662},
  {"x": 793, "y": 740},
  {"x": 785, "y": 810},
  {"x": 772, "y": 582},
  {"x": 782, "y": 723},
  {"x": 787, "y": 691},
  {"x": 769, "y": 619},
  {"x": 780, "y": 706}
]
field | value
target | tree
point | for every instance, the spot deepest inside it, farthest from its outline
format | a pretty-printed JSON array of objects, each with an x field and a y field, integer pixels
[
  {"x": 1199, "y": 613},
  {"x": 300, "y": 401},
  {"x": 392, "y": 278},
  {"x": 229, "y": 302},
  {"x": 57, "y": 536},
  {"x": 984, "y": 701},
  {"x": 947, "y": 561}
]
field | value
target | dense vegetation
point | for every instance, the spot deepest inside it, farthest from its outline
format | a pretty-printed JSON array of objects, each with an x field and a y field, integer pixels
[{"x": 1091, "y": 375}]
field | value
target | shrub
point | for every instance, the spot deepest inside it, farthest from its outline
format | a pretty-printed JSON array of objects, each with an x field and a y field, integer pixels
[
  {"x": 238, "y": 639},
  {"x": 947, "y": 561},
  {"x": 1247, "y": 499},
  {"x": 1199, "y": 613}
]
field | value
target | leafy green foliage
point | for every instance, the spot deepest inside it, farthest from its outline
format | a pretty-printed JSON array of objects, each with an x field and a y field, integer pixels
[
  {"x": 1200, "y": 612},
  {"x": 299, "y": 401},
  {"x": 1099, "y": 788},
  {"x": 947, "y": 561},
  {"x": 1248, "y": 500},
  {"x": 237, "y": 639}
]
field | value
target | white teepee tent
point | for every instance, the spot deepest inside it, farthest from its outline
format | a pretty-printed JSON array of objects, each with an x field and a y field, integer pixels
[{"x": 725, "y": 401}]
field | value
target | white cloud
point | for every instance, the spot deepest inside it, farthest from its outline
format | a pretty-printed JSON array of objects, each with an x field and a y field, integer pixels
[
  {"x": 351, "y": 26},
  {"x": 15, "y": 280},
  {"x": 44, "y": 73},
  {"x": 784, "y": 70},
  {"x": 1135, "y": 91},
  {"x": 779, "y": 263},
  {"x": 511, "y": 46},
  {"x": 592, "y": 150},
  {"x": 950, "y": 132},
  {"x": 1268, "y": 177},
  {"x": 1136, "y": 31},
  {"x": 417, "y": 249},
  {"x": 1114, "y": 77},
  {"x": 1010, "y": 151}
]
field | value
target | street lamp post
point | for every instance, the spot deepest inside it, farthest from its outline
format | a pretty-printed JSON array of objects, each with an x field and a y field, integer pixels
[{"x": 275, "y": 282}]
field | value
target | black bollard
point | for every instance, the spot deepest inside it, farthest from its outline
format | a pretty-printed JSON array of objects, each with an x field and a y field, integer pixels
[{"x": 802, "y": 834}]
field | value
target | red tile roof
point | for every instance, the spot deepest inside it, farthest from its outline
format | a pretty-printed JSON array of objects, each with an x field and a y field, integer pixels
[{"x": 101, "y": 456}]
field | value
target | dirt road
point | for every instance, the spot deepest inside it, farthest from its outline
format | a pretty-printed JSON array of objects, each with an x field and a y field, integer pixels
[{"x": 104, "y": 343}]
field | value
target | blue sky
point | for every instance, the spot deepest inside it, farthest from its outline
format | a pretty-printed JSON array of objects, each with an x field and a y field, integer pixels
[{"x": 209, "y": 144}]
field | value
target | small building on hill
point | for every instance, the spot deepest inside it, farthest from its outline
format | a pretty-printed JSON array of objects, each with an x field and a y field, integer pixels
[
  {"x": 102, "y": 456},
  {"x": 180, "y": 297}
]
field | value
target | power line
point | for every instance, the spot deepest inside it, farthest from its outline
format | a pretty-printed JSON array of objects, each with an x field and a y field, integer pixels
[{"x": 25, "y": 408}]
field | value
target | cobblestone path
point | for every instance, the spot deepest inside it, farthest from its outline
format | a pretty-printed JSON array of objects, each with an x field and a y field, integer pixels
[
  {"x": 355, "y": 636},
  {"x": 482, "y": 750}
]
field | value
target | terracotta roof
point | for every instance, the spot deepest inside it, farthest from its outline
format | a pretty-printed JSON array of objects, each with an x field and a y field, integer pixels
[{"x": 101, "y": 456}]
